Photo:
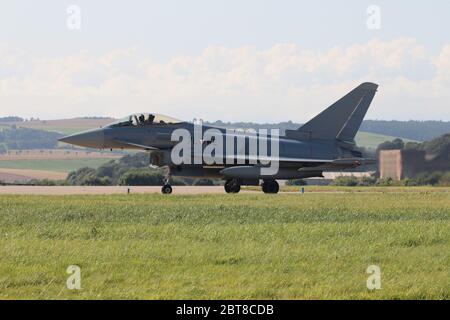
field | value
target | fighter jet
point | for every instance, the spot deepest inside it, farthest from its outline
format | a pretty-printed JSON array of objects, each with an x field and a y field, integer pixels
[{"x": 325, "y": 143}]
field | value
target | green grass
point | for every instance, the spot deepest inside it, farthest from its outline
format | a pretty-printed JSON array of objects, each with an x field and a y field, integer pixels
[
  {"x": 372, "y": 140},
  {"x": 250, "y": 246},
  {"x": 66, "y": 165}
]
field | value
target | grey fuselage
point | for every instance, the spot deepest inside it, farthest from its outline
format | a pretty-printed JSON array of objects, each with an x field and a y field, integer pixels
[{"x": 157, "y": 138}]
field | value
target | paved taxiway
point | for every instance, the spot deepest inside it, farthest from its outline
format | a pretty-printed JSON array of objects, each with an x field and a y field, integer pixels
[{"x": 68, "y": 190}]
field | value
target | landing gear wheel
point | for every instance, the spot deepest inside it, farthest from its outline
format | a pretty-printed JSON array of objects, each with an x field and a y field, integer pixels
[
  {"x": 232, "y": 186},
  {"x": 270, "y": 186},
  {"x": 166, "y": 189}
]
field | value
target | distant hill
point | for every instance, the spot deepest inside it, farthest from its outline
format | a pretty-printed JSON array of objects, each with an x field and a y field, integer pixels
[
  {"x": 372, "y": 140},
  {"x": 25, "y": 138},
  {"x": 63, "y": 126},
  {"x": 414, "y": 130},
  {"x": 11, "y": 119}
]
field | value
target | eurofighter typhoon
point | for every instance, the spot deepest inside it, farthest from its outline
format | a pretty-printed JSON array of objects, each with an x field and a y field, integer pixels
[{"x": 325, "y": 143}]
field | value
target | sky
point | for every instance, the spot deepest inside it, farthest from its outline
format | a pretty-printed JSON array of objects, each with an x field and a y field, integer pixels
[{"x": 261, "y": 61}]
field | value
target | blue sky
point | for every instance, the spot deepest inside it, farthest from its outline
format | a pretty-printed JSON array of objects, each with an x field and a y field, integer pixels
[
  {"x": 196, "y": 58},
  {"x": 170, "y": 27}
]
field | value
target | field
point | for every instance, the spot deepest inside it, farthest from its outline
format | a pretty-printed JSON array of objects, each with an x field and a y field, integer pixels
[
  {"x": 24, "y": 165},
  {"x": 372, "y": 140},
  {"x": 65, "y": 126},
  {"x": 250, "y": 245},
  {"x": 25, "y": 175},
  {"x": 57, "y": 154},
  {"x": 58, "y": 165}
]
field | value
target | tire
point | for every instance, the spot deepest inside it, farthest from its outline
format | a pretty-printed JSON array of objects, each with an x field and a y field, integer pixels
[
  {"x": 166, "y": 189},
  {"x": 232, "y": 186},
  {"x": 270, "y": 186},
  {"x": 275, "y": 187},
  {"x": 227, "y": 187},
  {"x": 264, "y": 187},
  {"x": 236, "y": 188}
]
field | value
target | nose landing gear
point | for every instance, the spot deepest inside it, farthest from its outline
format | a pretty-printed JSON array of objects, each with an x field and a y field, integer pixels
[{"x": 167, "y": 188}]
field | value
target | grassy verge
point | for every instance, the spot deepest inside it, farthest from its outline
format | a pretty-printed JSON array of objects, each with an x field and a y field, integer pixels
[
  {"x": 368, "y": 189},
  {"x": 253, "y": 246}
]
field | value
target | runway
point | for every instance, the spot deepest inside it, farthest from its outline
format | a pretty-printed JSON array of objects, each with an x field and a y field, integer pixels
[
  {"x": 198, "y": 190},
  {"x": 92, "y": 190}
]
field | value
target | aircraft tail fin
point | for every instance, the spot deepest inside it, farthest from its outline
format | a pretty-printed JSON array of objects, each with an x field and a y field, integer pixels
[{"x": 344, "y": 117}]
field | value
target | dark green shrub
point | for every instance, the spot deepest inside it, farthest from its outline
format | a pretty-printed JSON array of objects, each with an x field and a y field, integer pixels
[
  {"x": 141, "y": 177},
  {"x": 350, "y": 181},
  {"x": 445, "y": 179},
  {"x": 203, "y": 182}
]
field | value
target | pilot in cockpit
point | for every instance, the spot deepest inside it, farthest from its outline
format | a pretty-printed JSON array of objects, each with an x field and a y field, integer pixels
[
  {"x": 150, "y": 119},
  {"x": 143, "y": 119}
]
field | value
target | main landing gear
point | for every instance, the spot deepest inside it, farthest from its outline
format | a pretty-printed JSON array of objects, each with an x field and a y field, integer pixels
[
  {"x": 270, "y": 186},
  {"x": 232, "y": 186}
]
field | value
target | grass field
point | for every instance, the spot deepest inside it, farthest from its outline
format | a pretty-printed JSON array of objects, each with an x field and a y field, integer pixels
[
  {"x": 372, "y": 140},
  {"x": 285, "y": 246},
  {"x": 64, "y": 130},
  {"x": 61, "y": 165},
  {"x": 65, "y": 126}
]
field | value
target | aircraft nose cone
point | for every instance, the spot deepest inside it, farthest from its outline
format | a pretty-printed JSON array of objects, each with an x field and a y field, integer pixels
[{"x": 90, "y": 139}]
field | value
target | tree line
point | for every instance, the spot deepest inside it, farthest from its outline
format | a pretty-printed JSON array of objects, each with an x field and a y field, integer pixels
[{"x": 25, "y": 138}]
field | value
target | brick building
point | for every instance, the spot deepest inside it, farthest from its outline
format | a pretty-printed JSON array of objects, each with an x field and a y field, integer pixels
[{"x": 401, "y": 164}]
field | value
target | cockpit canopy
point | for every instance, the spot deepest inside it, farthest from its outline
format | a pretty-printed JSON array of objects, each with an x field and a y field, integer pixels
[{"x": 144, "y": 119}]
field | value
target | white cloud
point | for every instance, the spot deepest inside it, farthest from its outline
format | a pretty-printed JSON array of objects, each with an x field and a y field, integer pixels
[{"x": 284, "y": 82}]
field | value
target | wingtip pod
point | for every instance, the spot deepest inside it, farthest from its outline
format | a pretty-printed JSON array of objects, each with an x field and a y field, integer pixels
[{"x": 368, "y": 86}]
